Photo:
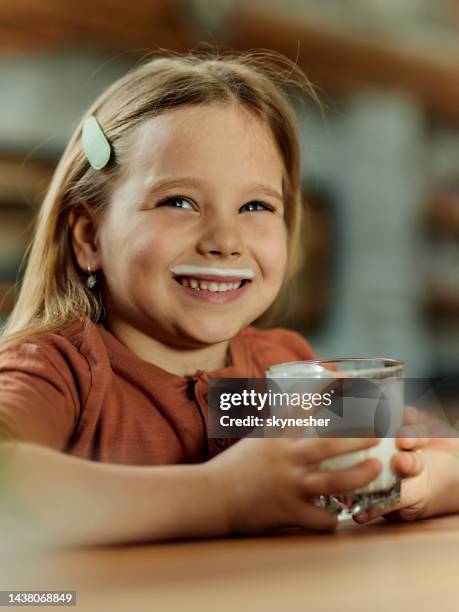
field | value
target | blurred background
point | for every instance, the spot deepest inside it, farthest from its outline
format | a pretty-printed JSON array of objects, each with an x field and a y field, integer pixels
[{"x": 380, "y": 167}]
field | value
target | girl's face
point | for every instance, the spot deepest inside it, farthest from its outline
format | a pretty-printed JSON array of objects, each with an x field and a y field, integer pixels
[{"x": 222, "y": 214}]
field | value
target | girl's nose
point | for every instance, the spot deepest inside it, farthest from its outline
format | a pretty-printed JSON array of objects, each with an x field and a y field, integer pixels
[{"x": 220, "y": 237}]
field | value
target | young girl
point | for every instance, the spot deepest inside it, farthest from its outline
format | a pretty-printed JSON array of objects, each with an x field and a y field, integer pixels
[{"x": 171, "y": 224}]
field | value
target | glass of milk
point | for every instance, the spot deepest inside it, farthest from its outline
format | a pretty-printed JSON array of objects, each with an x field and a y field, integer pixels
[{"x": 371, "y": 403}]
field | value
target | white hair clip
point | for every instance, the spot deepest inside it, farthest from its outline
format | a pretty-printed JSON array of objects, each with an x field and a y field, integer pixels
[{"x": 95, "y": 144}]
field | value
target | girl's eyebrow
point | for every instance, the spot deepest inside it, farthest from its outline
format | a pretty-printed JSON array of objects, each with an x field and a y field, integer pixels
[{"x": 189, "y": 181}]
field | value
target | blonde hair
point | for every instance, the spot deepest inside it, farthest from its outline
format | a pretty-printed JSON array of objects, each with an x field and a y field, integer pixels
[{"x": 53, "y": 292}]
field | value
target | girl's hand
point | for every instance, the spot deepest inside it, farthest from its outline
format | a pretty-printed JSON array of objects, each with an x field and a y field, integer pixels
[
  {"x": 410, "y": 464},
  {"x": 269, "y": 483},
  {"x": 429, "y": 468}
]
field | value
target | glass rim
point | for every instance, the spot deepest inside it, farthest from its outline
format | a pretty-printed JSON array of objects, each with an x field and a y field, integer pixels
[{"x": 387, "y": 365}]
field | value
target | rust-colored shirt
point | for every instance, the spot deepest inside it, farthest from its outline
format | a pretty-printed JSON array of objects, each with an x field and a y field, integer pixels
[{"x": 83, "y": 392}]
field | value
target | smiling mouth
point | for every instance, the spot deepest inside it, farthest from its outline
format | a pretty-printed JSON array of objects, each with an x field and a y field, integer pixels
[{"x": 211, "y": 285}]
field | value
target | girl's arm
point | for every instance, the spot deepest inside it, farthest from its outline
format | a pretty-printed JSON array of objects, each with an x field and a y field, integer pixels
[
  {"x": 74, "y": 501},
  {"x": 254, "y": 486}
]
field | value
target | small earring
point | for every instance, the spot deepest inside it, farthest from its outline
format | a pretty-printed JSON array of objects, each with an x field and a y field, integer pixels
[{"x": 91, "y": 280}]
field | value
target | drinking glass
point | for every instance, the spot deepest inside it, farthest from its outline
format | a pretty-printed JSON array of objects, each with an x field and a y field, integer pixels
[{"x": 372, "y": 404}]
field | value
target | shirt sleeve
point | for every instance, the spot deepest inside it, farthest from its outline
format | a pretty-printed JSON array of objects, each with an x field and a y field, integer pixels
[{"x": 38, "y": 397}]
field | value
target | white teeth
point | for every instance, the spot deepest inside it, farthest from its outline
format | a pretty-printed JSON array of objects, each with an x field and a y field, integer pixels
[
  {"x": 221, "y": 272},
  {"x": 212, "y": 286}
]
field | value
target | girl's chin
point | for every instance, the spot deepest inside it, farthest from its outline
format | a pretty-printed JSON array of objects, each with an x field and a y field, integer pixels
[{"x": 212, "y": 334}]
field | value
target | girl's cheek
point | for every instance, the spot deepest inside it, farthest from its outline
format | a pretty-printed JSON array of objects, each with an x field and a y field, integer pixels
[
  {"x": 267, "y": 228},
  {"x": 273, "y": 255},
  {"x": 142, "y": 251},
  {"x": 275, "y": 238}
]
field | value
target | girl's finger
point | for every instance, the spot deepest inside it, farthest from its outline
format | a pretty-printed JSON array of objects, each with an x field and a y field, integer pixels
[
  {"x": 312, "y": 517},
  {"x": 412, "y": 443},
  {"x": 408, "y": 463},
  {"x": 371, "y": 515},
  {"x": 317, "y": 449},
  {"x": 326, "y": 482},
  {"x": 411, "y": 415},
  {"x": 411, "y": 437},
  {"x": 411, "y": 506}
]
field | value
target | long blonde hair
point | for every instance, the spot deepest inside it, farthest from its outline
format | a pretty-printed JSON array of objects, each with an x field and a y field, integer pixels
[{"x": 53, "y": 291}]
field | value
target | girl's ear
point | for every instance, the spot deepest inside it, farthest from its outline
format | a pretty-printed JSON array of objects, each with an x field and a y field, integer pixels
[{"x": 84, "y": 238}]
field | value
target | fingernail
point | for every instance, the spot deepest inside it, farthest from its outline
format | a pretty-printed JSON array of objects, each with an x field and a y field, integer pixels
[
  {"x": 409, "y": 460},
  {"x": 407, "y": 432},
  {"x": 361, "y": 518},
  {"x": 414, "y": 432}
]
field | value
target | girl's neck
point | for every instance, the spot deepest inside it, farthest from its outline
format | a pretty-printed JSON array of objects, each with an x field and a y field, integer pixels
[{"x": 179, "y": 361}]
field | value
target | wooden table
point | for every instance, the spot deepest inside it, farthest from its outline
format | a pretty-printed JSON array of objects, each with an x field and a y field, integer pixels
[{"x": 381, "y": 566}]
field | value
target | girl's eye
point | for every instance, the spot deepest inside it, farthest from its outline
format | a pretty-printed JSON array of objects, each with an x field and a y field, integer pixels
[
  {"x": 173, "y": 200},
  {"x": 254, "y": 206},
  {"x": 182, "y": 202}
]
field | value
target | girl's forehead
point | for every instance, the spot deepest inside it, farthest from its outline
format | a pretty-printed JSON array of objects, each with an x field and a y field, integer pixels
[{"x": 199, "y": 132}]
